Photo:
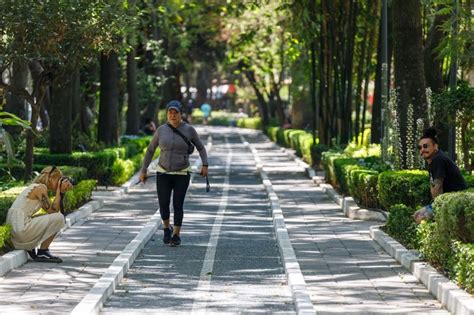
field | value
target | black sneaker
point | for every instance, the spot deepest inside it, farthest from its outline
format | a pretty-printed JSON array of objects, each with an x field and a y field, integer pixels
[
  {"x": 32, "y": 253},
  {"x": 167, "y": 235},
  {"x": 175, "y": 240},
  {"x": 43, "y": 255}
]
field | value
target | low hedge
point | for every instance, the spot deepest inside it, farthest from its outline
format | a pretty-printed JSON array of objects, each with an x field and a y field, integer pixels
[
  {"x": 17, "y": 171},
  {"x": 251, "y": 123},
  {"x": 5, "y": 235},
  {"x": 409, "y": 187},
  {"x": 5, "y": 204},
  {"x": 362, "y": 185},
  {"x": 454, "y": 213},
  {"x": 401, "y": 226},
  {"x": 463, "y": 269},
  {"x": 79, "y": 195}
]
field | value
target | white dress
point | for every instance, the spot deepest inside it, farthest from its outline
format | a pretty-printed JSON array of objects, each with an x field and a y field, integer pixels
[{"x": 28, "y": 232}]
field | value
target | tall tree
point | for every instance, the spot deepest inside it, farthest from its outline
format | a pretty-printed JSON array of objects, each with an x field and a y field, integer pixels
[
  {"x": 109, "y": 99},
  {"x": 409, "y": 70}
]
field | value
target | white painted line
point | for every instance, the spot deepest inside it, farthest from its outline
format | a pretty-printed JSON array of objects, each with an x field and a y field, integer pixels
[
  {"x": 202, "y": 290},
  {"x": 105, "y": 286},
  {"x": 296, "y": 282}
]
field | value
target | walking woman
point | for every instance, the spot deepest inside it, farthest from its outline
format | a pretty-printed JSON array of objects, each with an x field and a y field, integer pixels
[
  {"x": 176, "y": 140},
  {"x": 27, "y": 231}
]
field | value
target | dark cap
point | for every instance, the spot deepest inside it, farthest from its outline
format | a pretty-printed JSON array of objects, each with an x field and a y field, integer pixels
[{"x": 175, "y": 105}]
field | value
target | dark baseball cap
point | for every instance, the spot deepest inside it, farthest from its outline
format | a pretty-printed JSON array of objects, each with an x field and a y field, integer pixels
[{"x": 175, "y": 105}]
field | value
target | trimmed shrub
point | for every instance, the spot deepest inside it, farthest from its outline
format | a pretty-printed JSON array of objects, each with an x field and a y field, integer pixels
[
  {"x": 122, "y": 170},
  {"x": 75, "y": 172},
  {"x": 252, "y": 123},
  {"x": 5, "y": 204},
  {"x": 79, "y": 195},
  {"x": 434, "y": 248},
  {"x": 271, "y": 132},
  {"x": 463, "y": 270},
  {"x": 5, "y": 235},
  {"x": 469, "y": 180},
  {"x": 341, "y": 166},
  {"x": 408, "y": 187},
  {"x": 454, "y": 213},
  {"x": 362, "y": 185},
  {"x": 401, "y": 226}
]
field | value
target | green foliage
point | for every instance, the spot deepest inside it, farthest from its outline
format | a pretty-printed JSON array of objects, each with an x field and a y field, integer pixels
[
  {"x": 5, "y": 204},
  {"x": 454, "y": 213},
  {"x": 409, "y": 187},
  {"x": 463, "y": 270},
  {"x": 79, "y": 195},
  {"x": 251, "y": 123},
  {"x": 401, "y": 226},
  {"x": 362, "y": 184},
  {"x": 98, "y": 164},
  {"x": 5, "y": 235},
  {"x": 17, "y": 171},
  {"x": 122, "y": 170},
  {"x": 433, "y": 246}
]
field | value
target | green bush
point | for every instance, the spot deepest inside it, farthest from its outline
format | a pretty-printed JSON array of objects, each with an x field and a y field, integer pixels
[
  {"x": 454, "y": 213},
  {"x": 252, "y": 123},
  {"x": 435, "y": 249},
  {"x": 401, "y": 226},
  {"x": 5, "y": 235},
  {"x": 98, "y": 164},
  {"x": 408, "y": 187},
  {"x": 469, "y": 180},
  {"x": 362, "y": 185},
  {"x": 316, "y": 153},
  {"x": 271, "y": 132},
  {"x": 463, "y": 270},
  {"x": 5, "y": 204},
  {"x": 122, "y": 170},
  {"x": 79, "y": 195},
  {"x": 342, "y": 166}
]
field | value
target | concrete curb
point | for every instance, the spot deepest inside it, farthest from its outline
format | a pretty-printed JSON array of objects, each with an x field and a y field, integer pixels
[
  {"x": 17, "y": 258},
  {"x": 105, "y": 286},
  {"x": 293, "y": 272},
  {"x": 456, "y": 300}
]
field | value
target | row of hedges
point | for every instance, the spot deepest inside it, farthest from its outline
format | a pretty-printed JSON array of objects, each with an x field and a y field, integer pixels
[
  {"x": 446, "y": 243},
  {"x": 111, "y": 166}
]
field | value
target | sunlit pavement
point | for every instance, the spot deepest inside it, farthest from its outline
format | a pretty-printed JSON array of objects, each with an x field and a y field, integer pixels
[{"x": 229, "y": 261}]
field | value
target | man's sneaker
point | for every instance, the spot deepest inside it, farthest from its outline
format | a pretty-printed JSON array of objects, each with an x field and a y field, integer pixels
[
  {"x": 43, "y": 255},
  {"x": 32, "y": 253},
  {"x": 167, "y": 235},
  {"x": 175, "y": 240}
]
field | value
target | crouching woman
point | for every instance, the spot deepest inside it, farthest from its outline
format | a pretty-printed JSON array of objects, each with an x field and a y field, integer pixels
[{"x": 27, "y": 231}]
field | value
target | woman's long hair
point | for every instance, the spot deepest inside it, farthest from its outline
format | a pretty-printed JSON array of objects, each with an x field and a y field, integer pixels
[{"x": 46, "y": 174}]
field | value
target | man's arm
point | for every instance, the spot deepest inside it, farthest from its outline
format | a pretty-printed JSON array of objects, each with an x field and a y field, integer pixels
[{"x": 436, "y": 187}]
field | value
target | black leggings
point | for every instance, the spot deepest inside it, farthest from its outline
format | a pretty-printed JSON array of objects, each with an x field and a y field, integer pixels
[{"x": 165, "y": 183}]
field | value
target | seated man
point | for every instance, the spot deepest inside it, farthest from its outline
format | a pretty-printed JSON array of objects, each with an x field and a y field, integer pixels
[
  {"x": 445, "y": 176},
  {"x": 27, "y": 231}
]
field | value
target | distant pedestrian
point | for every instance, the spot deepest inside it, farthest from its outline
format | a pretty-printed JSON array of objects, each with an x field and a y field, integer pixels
[
  {"x": 150, "y": 127},
  {"x": 206, "y": 111},
  {"x": 27, "y": 231},
  {"x": 176, "y": 140},
  {"x": 445, "y": 176},
  {"x": 189, "y": 112}
]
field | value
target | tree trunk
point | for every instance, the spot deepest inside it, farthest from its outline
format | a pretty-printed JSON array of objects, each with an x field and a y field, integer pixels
[
  {"x": 202, "y": 85},
  {"x": 133, "y": 111},
  {"x": 61, "y": 116},
  {"x": 15, "y": 103},
  {"x": 409, "y": 71},
  {"x": 109, "y": 99},
  {"x": 76, "y": 100}
]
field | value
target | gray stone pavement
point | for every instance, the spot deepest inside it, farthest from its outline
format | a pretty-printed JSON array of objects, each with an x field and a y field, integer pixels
[
  {"x": 345, "y": 271},
  {"x": 229, "y": 261},
  {"x": 246, "y": 275},
  {"x": 87, "y": 249}
]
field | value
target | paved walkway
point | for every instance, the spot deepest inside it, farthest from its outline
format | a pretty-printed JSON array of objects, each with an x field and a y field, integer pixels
[
  {"x": 345, "y": 271},
  {"x": 229, "y": 261}
]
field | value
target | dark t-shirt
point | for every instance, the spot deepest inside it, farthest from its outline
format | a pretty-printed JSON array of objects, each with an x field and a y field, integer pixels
[{"x": 442, "y": 167}]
